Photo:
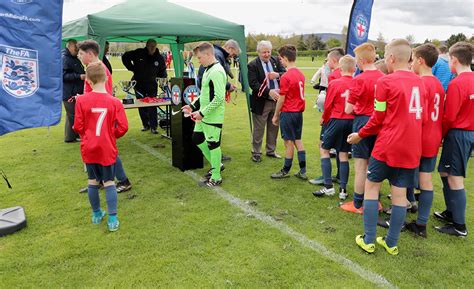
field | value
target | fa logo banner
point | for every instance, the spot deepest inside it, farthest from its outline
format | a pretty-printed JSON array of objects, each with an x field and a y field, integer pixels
[
  {"x": 19, "y": 71},
  {"x": 191, "y": 93},
  {"x": 361, "y": 26},
  {"x": 176, "y": 95}
]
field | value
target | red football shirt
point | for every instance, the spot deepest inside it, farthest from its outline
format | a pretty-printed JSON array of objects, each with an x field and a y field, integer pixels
[
  {"x": 334, "y": 75},
  {"x": 108, "y": 83},
  {"x": 99, "y": 119},
  {"x": 433, "y": 128},
  {"x": 459, "y": 105},
  {"x": 292, "y": 87},
  {"x": 398, "y": 119},
  {"x": 362, "y": 92},
  {"x": 336, "y": 98}
]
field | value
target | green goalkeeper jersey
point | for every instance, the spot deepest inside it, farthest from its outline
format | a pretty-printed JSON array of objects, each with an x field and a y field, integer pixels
[{"x": 212, "y": 99}]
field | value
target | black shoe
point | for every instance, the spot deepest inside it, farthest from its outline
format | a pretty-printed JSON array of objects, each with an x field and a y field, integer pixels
[
  {"x": 154, "y": 131},
  {"x": 226, "y": 158},
  {"x": 384, "y": 223},
  {"x": 210, "y": 183},
  {"x": 280, "y": 175},
  {"x": 208, "y": 175},
  {"x": 445, "y": 216},
  {"x": 145, "y": 128},
  {"x": 418, "y": 230},
  {"x": 412, "y": 207},
  {"x": 123, "y": 186},
  {"x": 274, "y": 155},
  {"x": 451, "y": 230},
  {"x": 256, "y": 158},
  {"x": 324, "y": 192},
  {"x": 336, "y": 180}
]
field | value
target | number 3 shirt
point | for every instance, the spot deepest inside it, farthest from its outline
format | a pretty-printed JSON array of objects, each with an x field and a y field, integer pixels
[
  {"x": 336, "y": 99},
  {"x": 397, "y": 119},
  {"x": 99, "y": 119},
  {"x": 433, "y": 128},
  {"x": 292, "y": 87}
]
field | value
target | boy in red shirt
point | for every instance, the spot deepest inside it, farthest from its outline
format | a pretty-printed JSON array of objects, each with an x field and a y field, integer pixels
[
  {"x": 338, "y": 127},
  {"x": 458, "y": 132},
  {"x": 361, "y": 104},
  {"x": 424, "y": 58},
  {"x": 397, "y": 121},
  {"x": 99, "y": 120},
  {"x": 289, "y": 112},
  {"x": 89, "y": 53},
  {"x": 334, "y": 55}
]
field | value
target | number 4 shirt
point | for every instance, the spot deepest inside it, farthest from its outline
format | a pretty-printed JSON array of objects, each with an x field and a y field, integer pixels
[
  {"x": 292, "y": 87},
  {"x": 336, "y": 99},
  {"x": 397, "y": 119},
  {"x": 433, "y": 128},
  {"x": 99, "y": 119}
]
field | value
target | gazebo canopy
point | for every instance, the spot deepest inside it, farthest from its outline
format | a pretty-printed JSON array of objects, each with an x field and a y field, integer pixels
[{"x": 167, "y": 23}]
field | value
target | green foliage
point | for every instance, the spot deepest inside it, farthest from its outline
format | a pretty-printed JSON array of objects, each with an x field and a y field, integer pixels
[
  {"x": 455, "y": 38},
  {"x": 333, "y": 42}
]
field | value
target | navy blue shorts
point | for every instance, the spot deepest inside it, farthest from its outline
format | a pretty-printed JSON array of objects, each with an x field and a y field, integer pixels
[
  {"x": 336, "y": 133},
  {"x": 364, "y": 148},
  {"x": 457, "y": 148},
  {"x": 399, "y": 177},
  {"x": 100, "y": 172},
  {"x": 427, "y": 165},
  {"x": 291, "y": 125},
  {"x": 321, "y": 135}
]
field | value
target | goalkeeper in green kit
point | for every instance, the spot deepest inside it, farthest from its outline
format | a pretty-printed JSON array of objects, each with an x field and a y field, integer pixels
[{"x": 208, "y": 112}]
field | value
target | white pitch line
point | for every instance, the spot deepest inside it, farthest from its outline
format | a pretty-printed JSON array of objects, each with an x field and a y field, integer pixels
[{"x": 370, "y": 276}]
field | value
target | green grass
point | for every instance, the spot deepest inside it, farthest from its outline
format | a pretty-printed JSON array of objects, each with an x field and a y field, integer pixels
[{"x": 174, "y": 234}]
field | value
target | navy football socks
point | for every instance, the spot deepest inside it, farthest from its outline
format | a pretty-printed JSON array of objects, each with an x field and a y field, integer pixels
[
  {"x": 458, "y": 205},
  {"x": 302, "y": 161},
  {"x": 424, "y": 206},
  {"x": 397, "y": 219},
  {"x": 326, "y": 168},
  {"x": 371, "y": 212},
  {"x": 93, "y": 193},
  {"x": 287, "y": 165},
  {"x": 111, "y": 197},
  {"x": 344, "y": 169}
]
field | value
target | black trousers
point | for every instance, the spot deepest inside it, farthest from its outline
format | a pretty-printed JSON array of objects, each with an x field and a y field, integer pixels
[
  {"x": 148, "y": 115},
  {"x": 69, "y": 133}
]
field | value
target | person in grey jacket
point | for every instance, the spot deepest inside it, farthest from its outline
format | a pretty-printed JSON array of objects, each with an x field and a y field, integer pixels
[{"x": 73, "y": 84}]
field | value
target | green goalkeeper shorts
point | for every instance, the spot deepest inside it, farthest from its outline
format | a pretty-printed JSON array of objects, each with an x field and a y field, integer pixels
[{"x": 212, "y": 132}]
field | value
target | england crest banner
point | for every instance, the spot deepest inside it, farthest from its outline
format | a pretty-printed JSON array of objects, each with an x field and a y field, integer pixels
[
  {"x": 359, "y": 24},
  {"x": 30, "y": 64}
]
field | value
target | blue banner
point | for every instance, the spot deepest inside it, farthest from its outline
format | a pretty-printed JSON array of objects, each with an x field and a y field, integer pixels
[
  {"x": 359, "y": 24},
  {"x": 30, "y": 64}
]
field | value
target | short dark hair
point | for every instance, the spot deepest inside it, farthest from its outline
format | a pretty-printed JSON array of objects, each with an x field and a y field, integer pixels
[
  {"x": 428, "y": 52},
  {"x": 463, "y": 52},
  {"x": 443, "y": 49},
  {"x": 288, "y": 51},
  {"x": 336, "y": 52},
  {"x": 89, "y": 45},
  {"x": 69, "y": 41}
]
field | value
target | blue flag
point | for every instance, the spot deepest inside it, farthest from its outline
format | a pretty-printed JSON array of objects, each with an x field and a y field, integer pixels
[
  {"x": 30, "y": 64},
  {"x": 359, "y": 24}
]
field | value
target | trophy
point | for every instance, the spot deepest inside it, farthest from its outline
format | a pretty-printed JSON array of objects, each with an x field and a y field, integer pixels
[
  {"x": 126, "y": 86},
  {"x": 163, "y": 84}
]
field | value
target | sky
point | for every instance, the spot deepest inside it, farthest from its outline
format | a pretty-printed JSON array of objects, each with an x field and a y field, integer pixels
[{"x": 432, "y": 19}]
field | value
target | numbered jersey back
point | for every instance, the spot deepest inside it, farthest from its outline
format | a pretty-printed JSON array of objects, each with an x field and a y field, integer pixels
[
  {"x": 292, "y": 87},
  {"x": 433, "y": 128}
]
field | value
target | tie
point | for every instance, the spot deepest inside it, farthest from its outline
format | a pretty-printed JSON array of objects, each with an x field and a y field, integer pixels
[{"x": 271, "y": 84}]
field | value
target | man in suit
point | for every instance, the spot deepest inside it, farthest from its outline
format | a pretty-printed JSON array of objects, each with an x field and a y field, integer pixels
[{"x": 265, "y": 66}]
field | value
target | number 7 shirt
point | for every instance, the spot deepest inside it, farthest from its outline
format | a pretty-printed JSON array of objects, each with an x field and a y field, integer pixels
[
  {"x": 99, "y": 119},
  {"x": 397, "y": 119}
]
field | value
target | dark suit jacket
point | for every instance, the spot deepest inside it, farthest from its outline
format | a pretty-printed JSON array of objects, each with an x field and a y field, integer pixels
[{"x": 256, "y": 78}]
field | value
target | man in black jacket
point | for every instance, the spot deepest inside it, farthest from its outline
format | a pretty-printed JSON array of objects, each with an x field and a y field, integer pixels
[
  {"x": 146, "y": 64},
  {"x": 265, "y": 66},
  {"x": 73, "y": 83}
]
